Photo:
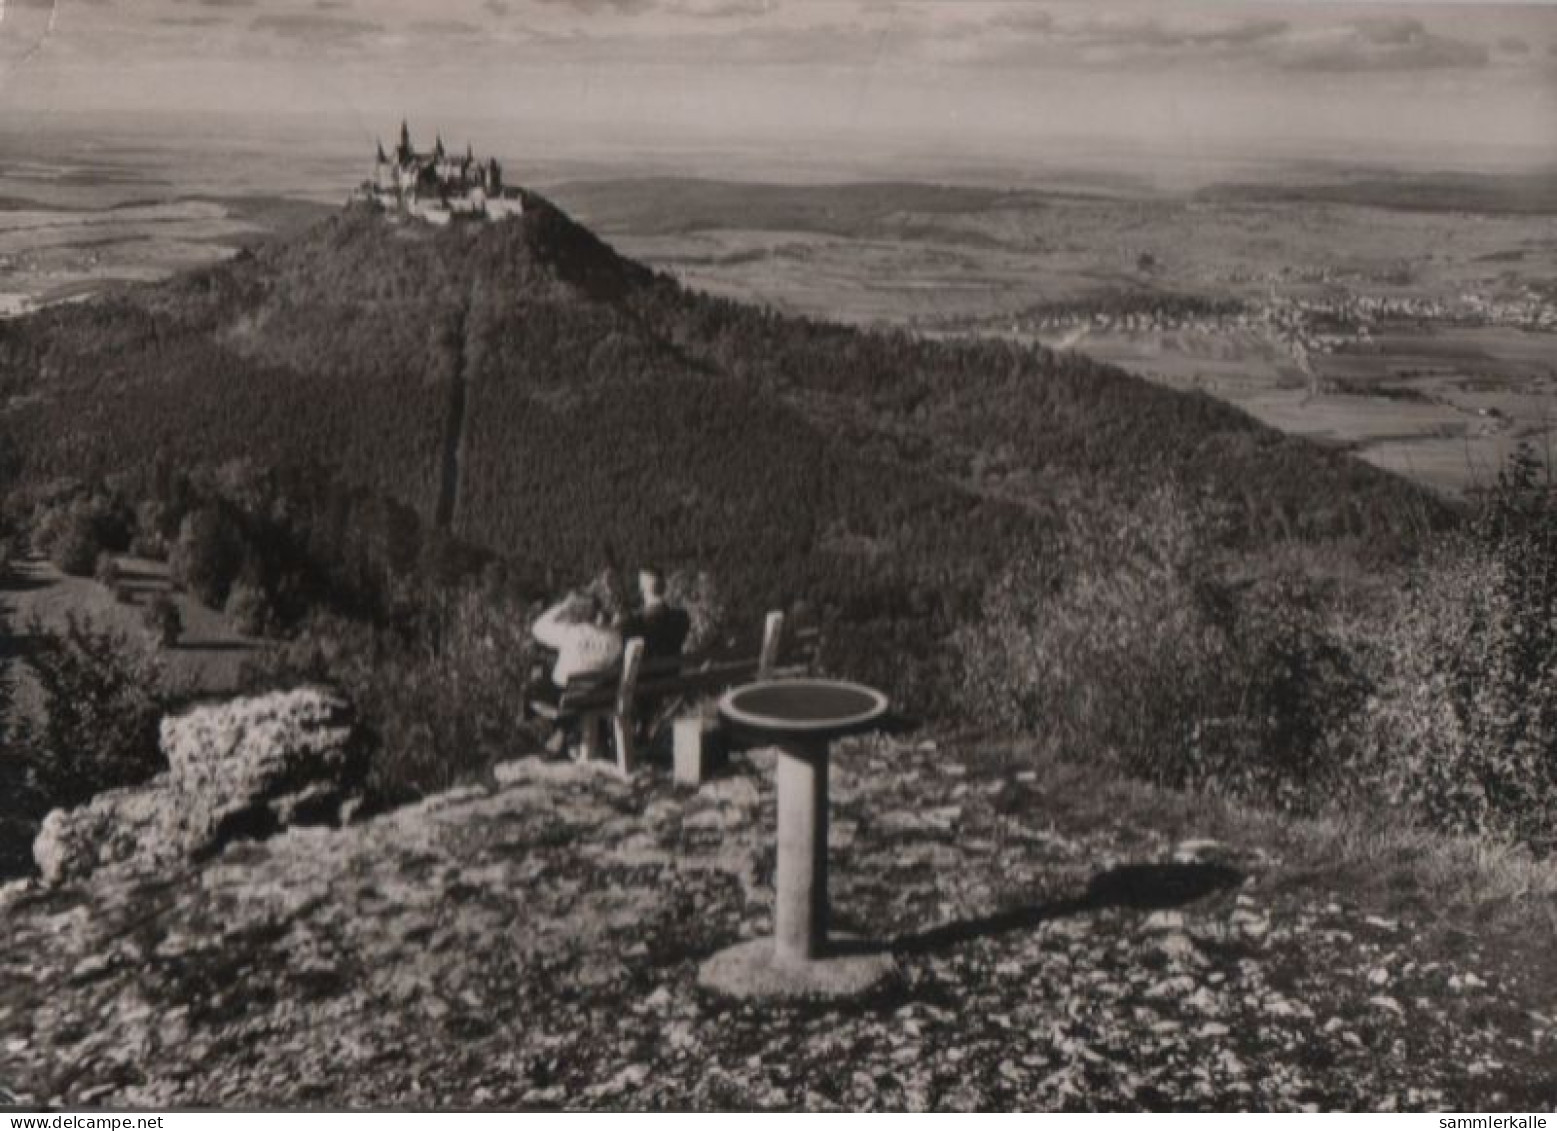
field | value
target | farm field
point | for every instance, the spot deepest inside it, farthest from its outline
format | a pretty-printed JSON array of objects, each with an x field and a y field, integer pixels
[
  {"x": 1444, "y": 407},
  {"x": 206, "y": 660},
  {"x": 1424, "y": 341}
]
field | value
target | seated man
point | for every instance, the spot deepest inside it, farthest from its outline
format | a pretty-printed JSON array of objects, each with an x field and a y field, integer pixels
[
  {"x": 576, "y": 629},
  {"x": 664, "y": 630},
  {"x": 663, "y": 627}
]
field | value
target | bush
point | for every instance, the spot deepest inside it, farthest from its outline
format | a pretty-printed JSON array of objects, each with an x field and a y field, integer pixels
[
  {"x": 1464, "y": 727},
  {"x": 443, "y": 704},
  {"x": 103, "y": 698},
  {"x": 208, "y": 555},
  {"x": 1130, "y": 645},
  {"x": 74, "y": 533},
  {"x": 152, "y": 522},
  {"x": 163, "y": 620},
  {"x": 697, "y": 592},
  {"x": 106, "y": 571},
  {"x": 249, "y": 608}
]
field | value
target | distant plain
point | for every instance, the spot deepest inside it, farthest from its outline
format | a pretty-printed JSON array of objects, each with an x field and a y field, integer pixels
[
  {"x": 1435, "y": 390},
  {"x": 1450, "y": 368}
]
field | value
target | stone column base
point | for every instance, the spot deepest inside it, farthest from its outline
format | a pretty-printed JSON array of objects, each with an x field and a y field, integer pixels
[{"x": 846, "y": 968}]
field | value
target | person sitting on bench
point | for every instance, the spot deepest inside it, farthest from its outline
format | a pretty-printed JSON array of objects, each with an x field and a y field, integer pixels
[
  {"x": 576, "y": 629},
  {"x": 663, "y": 627}
]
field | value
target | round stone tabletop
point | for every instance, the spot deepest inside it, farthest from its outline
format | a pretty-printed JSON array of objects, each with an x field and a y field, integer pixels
[{"x": 812, "y": 709}]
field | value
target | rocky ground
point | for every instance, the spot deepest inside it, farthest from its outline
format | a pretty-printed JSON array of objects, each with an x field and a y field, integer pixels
[{"x": 536, "y": 943}]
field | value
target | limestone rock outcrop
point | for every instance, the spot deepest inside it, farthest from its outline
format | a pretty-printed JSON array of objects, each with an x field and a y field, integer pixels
[{"x": 241, "y": 769}]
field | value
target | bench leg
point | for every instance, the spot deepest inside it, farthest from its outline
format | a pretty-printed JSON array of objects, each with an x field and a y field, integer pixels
[
  {"x": 622, "y": 733},
  {"x": 588, "y": 748}
]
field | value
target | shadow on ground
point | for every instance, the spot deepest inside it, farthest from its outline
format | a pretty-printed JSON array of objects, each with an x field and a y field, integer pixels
[{"x": 1144, "y": 887}]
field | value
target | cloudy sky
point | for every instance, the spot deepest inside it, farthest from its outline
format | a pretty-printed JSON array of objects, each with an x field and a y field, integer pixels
[{"x": 1007, "y": 75}]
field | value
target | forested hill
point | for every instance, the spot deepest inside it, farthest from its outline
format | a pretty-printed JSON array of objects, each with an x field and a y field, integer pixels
[{"x": 535, "y": 393}]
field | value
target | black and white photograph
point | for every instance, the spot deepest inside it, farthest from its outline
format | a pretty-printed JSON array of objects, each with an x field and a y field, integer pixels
[{"x": 778, "y": 555}]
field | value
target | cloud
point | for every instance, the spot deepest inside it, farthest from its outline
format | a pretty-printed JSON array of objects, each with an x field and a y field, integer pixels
[
  {"x": 1024, "y": 19},
  {"x": 721, "y": 9},
  {"x": 597, "y": 7},
  {"x": 497, "y": 7},
  {"x": 1513, "y": 45},
  {"x": 1151, "y": 35},
  {"x": 321, "y": 29},
  {"x": 1380, "y": 44},
  {"x": 1020, "y": 36},
  {"x": 456, "y": 28}
]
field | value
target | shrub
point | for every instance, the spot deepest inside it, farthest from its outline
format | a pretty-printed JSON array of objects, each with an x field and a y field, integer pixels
[
  {"x": 163, "y": 620},
  {"x": 152, "y": 523},
  {"x": 443, "y": 704},
  {"x": 106, "y": 570},
  {"x": 102, "y": 699},
  {"x": 208, "y": 555},
  {"x": 1464, "y": 727},
  {"x": 697, "y": 592},
  {"x": 74, "y": 533},
  {"x": 1130, "y": 645},
  {"x": 249, "y": 608}
]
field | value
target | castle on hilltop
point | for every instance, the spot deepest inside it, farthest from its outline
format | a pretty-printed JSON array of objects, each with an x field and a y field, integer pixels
[{"x": 438, "y": 187}]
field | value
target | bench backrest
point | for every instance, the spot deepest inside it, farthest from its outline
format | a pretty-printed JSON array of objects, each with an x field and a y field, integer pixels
[{"x": 779, "y": 655}]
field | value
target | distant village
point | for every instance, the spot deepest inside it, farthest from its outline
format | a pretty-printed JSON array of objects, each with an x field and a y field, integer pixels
[
  {"x": 438, "y": 187},
  {"x": 1305, "y": 325}
]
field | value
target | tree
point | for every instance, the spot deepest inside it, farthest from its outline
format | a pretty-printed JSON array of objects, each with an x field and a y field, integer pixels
[
  {"x": 163, "y": 620},
  {"x": 1464, "y": 728},
  {"x": 249, "y": 608},
  {"x": 208, "y": 555},
  {"x": 102, "y": 700},
  {"x": 106, "y": 571}
]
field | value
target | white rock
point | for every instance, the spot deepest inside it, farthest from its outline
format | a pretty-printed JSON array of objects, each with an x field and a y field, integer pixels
[{"x": 1164, "y": 921}]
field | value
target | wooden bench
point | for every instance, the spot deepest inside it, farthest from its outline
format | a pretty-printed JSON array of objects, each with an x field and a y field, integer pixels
[{"x": 614, "y": 698}]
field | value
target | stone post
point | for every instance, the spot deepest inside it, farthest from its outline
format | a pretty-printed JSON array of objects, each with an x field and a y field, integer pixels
[{"x": 800, "y": 908}]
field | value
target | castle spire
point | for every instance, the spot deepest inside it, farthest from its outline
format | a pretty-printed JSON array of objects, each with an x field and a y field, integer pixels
[
  {"x": 438, "y": 147},
  {"x": 382, "y": 158},
  {"x": 405, "y": 140}
]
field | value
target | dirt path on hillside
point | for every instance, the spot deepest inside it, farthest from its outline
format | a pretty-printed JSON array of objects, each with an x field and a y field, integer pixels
[{"x": 454, "y": 430}]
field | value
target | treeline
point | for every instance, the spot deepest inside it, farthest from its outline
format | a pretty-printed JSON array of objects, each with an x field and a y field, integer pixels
[
  {"x": 1163, "y": 306},
  {"x": 269, "y": 545}
]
